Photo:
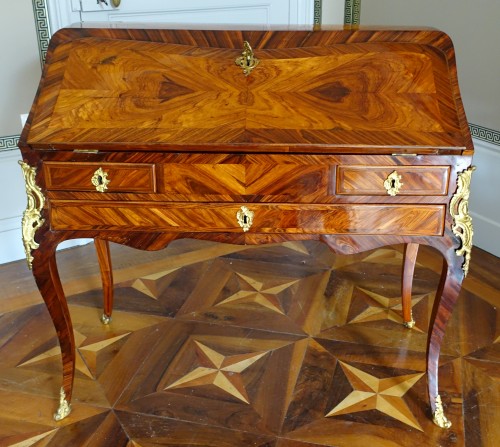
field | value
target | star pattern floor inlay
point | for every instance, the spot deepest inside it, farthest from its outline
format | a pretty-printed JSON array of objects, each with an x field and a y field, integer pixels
[
  {"x": 273, "y": 346},
  {"x": 222, "y": 371},
  {"x": 372, "y": 393}
]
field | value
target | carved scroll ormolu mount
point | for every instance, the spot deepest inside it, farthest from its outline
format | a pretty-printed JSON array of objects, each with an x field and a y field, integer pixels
[
  {"x": 32, "y": 219},
  {"x": 462, "y": 222}
]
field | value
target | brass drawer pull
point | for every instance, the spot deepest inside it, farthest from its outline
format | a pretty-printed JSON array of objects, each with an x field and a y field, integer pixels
[
  {"x": 245, "y": 218},
  {"x": 100, "y": 180},
  {"x": 393, "y": 183}
]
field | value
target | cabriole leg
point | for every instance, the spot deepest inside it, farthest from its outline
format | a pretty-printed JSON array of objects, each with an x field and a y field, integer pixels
[
  {"x": 48, "y": 282},
  {"x": 409, "y": 261},
  {"x": 449, "y": 289},
  {"x": 104, "y": 258}
]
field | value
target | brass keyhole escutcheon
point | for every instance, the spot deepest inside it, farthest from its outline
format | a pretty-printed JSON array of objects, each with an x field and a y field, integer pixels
[
  {"x": 393, "y": 183},
  {"x": 247, "y": 61},
  {"x": 100, "y": 180},
  {"x": 245, "y": 218}
]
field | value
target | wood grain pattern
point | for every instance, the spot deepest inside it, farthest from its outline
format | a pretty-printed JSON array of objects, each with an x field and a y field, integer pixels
[
  {"x": 254, "y": 178},
  {"x": 369, "y": 180},
  {"x": 105, "y": 266},
  {"x": 419, "y": 220},
  {"x": 359, "y": 95},
  {"x": 78, "y": 177},
  {"x": 246, "y": 300},
  {"x": 410, "y": 260},
  {"x": 303, "y": 142}
]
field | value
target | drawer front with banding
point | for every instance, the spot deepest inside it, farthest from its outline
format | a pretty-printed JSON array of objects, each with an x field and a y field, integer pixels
[
  {"x": 393, "y": 180},
  {"x": 424, "y": 220},
  {"x": 101, "y": 177}
]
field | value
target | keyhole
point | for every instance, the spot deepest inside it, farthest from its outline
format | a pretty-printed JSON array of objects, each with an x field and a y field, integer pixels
[
  {"x": 393, "y": 183},
  {"x": 99, "y": 179},
  {"x": 245, "y": 219}
]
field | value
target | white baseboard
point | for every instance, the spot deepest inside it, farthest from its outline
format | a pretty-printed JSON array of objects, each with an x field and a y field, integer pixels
[
  {"x": 11, "y": 242},
  {"x": 485, "y": 197},
  {"x": 486, "y": 234}
]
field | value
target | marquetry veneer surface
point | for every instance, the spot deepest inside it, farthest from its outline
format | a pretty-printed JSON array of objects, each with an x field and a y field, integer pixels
[
  {"x": 105, "y": 88},
  {"x": 143, "y": 136},
  {"x": 220, "y": 345}
]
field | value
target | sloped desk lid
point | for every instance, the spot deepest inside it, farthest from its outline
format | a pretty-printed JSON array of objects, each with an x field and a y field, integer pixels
[{"x": 318, "y": 91}]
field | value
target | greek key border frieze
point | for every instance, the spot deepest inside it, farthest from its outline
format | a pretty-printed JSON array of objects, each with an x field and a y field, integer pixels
[
  {"x": 42, "y": 26},
  {"x": 9, "y": 143},
  {"x": 483, "y": 133}
]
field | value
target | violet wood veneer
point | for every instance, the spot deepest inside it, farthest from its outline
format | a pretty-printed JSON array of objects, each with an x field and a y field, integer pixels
[{"x": 355, "y": 137}]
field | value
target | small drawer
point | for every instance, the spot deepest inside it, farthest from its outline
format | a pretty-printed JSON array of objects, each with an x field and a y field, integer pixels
[
  {"x": 372, "y": 180},
  {"x": 116, "y": 177}
]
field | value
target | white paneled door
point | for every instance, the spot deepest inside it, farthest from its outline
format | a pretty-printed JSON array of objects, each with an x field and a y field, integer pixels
[{"x": 260, "y": 13}]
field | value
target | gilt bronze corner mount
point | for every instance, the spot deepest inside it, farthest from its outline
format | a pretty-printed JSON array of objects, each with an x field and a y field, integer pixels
[{"x": 32, "y": 216}]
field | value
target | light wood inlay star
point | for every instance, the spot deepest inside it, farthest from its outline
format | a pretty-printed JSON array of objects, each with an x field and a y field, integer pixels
[
  {"x": 371, "y": 393},
  {"x": 263, "y": 293},
  {"x": 381, "y": 307},
  {"x": 290, "y": 390},
  {"x": 87, "y": 350},
  {"x": 148, "y": 285},
  {"x": 224, "y": 372}
]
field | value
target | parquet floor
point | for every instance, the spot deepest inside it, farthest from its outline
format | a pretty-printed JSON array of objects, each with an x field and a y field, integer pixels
[{"x": 272, "y": 346}]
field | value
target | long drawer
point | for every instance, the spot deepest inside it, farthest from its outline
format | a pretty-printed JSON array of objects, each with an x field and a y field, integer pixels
[{"x": 261, "y": 218}]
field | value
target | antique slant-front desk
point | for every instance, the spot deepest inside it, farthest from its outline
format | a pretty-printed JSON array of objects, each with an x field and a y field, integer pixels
[{"x": 357, "y": 138}]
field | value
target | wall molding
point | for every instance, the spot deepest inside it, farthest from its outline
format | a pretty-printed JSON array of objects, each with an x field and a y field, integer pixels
[
  {"x": 484, "y": 187},
  {"x": 9, "y": 143},
  {"x": 42, "y": 26},
  {"x": 352, "y": 12},
  {"x": 40, "y": 11},
  {"x": 318, "y": 5},
  {"x": 483, "y": 133}
]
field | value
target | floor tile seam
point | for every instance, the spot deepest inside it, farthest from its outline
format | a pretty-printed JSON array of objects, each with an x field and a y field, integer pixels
[
  {"x": 98, "y": 315},
  {"x": 350, "y": 342},
  {"x": 233, "y": 326},
  {"x": 190, "y": 422},
  {"x": 138, "y": 369},
  {"x": 482, "y": 361}
]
